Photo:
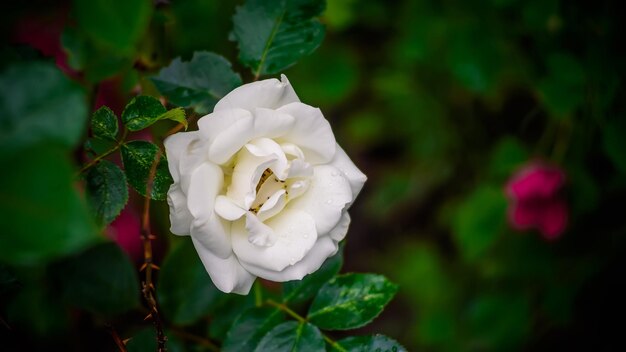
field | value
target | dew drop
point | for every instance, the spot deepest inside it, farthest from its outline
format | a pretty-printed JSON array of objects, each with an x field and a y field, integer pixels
[
  {"x": 292, "y": 261},
  {"x": 330, "y": 201},
  {"x": 305, "y": 235},
  {"x": 334, "y": 173}
]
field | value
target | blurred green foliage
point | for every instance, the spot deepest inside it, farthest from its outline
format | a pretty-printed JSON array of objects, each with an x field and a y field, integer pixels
[{"x": 438, "y": 102}]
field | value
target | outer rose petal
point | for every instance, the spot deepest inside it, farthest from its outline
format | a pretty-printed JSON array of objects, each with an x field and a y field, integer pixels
[
  {"x": 269, "y": 93},
  {"x": 295, "y": 236},
  {"x": 324, "y": 248},
  {"x": 353, "y": 174},
  {"x": 311, "y": 132},
  {"x": 180, "y": 217},
  {"x": 340, "y": 231},
  {"x": 176, "y": 148},
  {"x": 324, "y": 201},
  {"x": 227, "y": 274}
]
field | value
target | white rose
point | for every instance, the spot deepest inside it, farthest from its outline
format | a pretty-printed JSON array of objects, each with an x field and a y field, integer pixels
[{"x": 262, "y": 188}]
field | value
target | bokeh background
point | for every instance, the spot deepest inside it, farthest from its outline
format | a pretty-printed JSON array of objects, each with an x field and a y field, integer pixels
[{"x": 492, "y": 133}]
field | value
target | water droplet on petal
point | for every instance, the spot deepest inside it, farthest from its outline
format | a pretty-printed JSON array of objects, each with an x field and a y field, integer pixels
[
  {"x": 292, "y": 261},
  {"x": 334, "y": 173},
  {"x": 330, "y": 201}
]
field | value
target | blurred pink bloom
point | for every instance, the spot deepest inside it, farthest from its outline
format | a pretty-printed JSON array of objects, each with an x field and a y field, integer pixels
[
  {"x": 125, "y": 231},
  {"x": 535, "y": 199}
]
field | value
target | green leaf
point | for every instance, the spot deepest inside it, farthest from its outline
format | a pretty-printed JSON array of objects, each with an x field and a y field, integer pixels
[
  {"x": 101, "y": 280},
  {"x": 104, "y": 124},
  {"x": 37, "y": 310},
  {"x": 273, "y": 35},
  {"x": 613, "y": 141},
  {"x": 146, "y": 341},
  {"x": 230, "y": 307},
  {"x": 144, "y": 110},
  {"x": 39, "y": 104},
  {"x": 479, "y": 221},
  {"x": 498, "y": 321},
  {"x": 138, "y": 157},
  {"x": 378, "y": 343},
  {"x": 42, "y": 214},
  {"x": 351, "y": 301},
  {"x": 199, "y": 83},
  {"x": 292, "y": 336},
  {"x": 563, "y": 90},
  {"x": 116, "y": 24},
  {"x": 96, "y": 63},
  {"x": 185, "y": 290},
  {"x": 250, "y": 327},
  {"x": 298, "y": 291},
  {"x": 507, "y": 156},
  {"x": 106, "y": 191}
]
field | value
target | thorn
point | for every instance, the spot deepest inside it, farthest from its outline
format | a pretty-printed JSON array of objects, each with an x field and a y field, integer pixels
[
  {"x": 125, "y": 341},
  {"x": 152, "y": 237},
  {"x": 155, "y": 267},
  {"x": 143, "y": 267},
  {"x": 149, "y": 316}
]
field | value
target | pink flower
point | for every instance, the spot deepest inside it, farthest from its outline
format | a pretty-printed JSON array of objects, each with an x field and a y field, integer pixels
[
  {"x": 125, "y": 231},
  {"x": 535, "y": 199}
]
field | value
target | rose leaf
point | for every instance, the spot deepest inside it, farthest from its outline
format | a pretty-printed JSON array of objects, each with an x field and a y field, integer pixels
[
  {"x": 273, "y": 35},
  {"x": 107, "y": 192},
  {"x": 138, "y": 157},
  {"x": 115, "y": 24},
  {"x": 250, "y": 327},
  {"x": 298, "y": 291},
  {"x": 43, "y": 216},
  {"x": 199, "y": 83},
  {"x": 377, "y": 342},
  {"x": 351, "y": 301},
  {"x": 101, "y": 280},
  {"x": 292, "y": 336},
  {"x": 479, "y": 221},
  {"x": 144, "y": 110},
  {"x": 104, "y": 124},
  {"x": 185, "y": 290},
  {"x": 39, "y": 104}
]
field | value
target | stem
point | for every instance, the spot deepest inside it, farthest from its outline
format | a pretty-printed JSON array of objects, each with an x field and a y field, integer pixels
[
  {"x": 258, "y": 294},
  {"x": 97, "y": 159},
  {"x": 118, "y": 341},
  {"x": 283, "y": 307},
  {"x": 147, "y": 237},
  {"x": 197, "y": 339}
]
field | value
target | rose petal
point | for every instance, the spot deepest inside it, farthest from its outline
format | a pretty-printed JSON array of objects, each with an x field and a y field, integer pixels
[
  {"x": 246, "y": 175},
  {"x": 214, "y": 234},
  {"x": 353, "y": 174},
  {"x": 270, "y": 123},
  {"x": 295, "y": 236},
  {"x": 265, "y": 147},
  {"x": 180, "y": 217},
  {"x": 270, "y": 93},
  {"x": 227, "y": 132},
  {"x": 273, "y": 205},
  {"x": 311, "y": 132},
  {"x": 324, "y": 248},
  {"x": 205, "y": 183},
  {"x": 227, "y": 209},
  {"x": 325, "y": 199},
  {"x": 340, "y": 231},
  {"x": 227, "y": 274},
  {"x": 176, "y": 149},
  {"x": 554, "y": 219},
  {"x": 259, "y": 234}
]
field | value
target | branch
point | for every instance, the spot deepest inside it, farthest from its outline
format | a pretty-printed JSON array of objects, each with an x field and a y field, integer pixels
[
  {"x": 118, "y": 341},
  {"x": 97, "y": 159},
  {"x": 147, "y": 237}
]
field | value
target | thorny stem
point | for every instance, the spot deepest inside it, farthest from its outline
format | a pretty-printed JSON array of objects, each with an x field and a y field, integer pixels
[
  {"x": 97, "y": 159},
  {"x": 283, "y": 307},
  {"x": 118, "y": 341},
  {"x": 148, "y": 265}
]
